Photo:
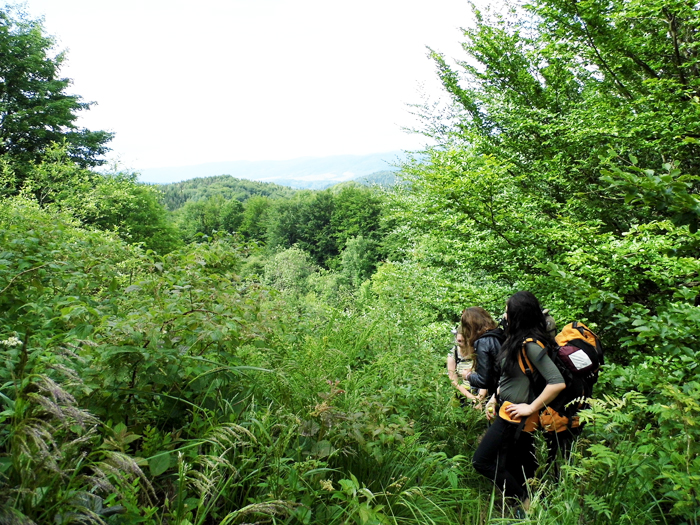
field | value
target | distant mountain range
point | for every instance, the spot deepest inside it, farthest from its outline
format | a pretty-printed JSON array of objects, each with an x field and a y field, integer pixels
[{"x": 304, "y": 172}]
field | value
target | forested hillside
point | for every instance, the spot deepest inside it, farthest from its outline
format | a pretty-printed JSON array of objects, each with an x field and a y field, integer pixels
[
  {"x": 225, "y": 352},
  {"x": 300, "y": 173},
  {"x": 177, "y": 194}
]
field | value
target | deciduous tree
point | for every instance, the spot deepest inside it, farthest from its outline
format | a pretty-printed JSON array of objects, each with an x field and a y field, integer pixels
[{"x": 36, "y": 108}]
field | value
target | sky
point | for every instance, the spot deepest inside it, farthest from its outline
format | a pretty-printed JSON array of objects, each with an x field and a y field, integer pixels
[{"x": 183, "y": 83}]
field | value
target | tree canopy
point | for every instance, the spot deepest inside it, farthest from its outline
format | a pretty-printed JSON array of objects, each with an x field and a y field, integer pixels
[
  {"x": 286, "y": 363},
  {"x": 559, "y": 120},
  {"x": 36, "y": 108},
  {"x": 177, "y": 194}
]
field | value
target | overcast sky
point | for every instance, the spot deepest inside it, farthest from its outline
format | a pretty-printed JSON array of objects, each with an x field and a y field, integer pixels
[{"x": 183, "y": 82}]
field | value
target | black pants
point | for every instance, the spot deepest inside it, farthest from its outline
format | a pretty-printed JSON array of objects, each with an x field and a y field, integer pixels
[
  {"x": 560, "y": 442},
  {"x": 507, "y": 457}
]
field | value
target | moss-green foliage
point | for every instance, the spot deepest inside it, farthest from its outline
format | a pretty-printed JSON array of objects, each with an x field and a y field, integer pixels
[
  {"x": 319, "y": 222},
  {"x": 178, "y": 194},
  {"x": 567, "y": 165},
  {"x": 304, "y": 382},
  {"x": 112, "y": 201},
  {"x": 202, "y": 397},
  {"x": 322, "y": 223}
]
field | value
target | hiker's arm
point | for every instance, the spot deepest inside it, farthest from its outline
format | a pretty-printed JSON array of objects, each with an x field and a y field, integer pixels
[
  {"x": 481, "y": 378},
  {"x": 480, "y": 396},
  {"x": 452, "y": 368},
  {"x": 547, "y": 396},
  {"x": 454, "y": 378},
  {"x": 555, "y": 382}
]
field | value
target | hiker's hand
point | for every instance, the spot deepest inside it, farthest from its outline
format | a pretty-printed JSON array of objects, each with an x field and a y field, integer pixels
[
  {"x": 490, "y": 410},
  {"x": 519, "y": 410}
]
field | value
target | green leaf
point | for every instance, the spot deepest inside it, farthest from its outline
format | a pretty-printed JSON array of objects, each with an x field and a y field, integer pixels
[
  {"x": 5, "y": 464},
  {"x": 159, "y": 463},
  {"x": 322, "y": 449},
  {"x": 9, "y": 402}
]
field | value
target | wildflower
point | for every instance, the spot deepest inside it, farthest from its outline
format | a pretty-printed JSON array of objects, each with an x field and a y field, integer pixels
[
  {"x": 327, "y": 484},
  {"x": 12, "y": 341},
  {"x": 320, "y": 409}
]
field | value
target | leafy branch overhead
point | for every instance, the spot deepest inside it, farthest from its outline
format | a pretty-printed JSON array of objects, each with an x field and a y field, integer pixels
[{"x": 222, "y": 351}]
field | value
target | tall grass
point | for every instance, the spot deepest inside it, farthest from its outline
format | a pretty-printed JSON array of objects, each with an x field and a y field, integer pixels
[{"x": 164, "y": 390}]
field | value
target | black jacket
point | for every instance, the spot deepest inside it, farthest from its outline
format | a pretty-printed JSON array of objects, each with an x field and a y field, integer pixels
[{"x": 487, "y": 348}]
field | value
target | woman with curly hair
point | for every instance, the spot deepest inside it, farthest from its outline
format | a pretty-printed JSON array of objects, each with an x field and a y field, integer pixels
[{"x": 484, "y": 337}]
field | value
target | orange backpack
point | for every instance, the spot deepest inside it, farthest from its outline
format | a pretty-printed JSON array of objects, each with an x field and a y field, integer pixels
[
  {"x": 578, "y": 356},
  {"x": 580, "y": 351}
]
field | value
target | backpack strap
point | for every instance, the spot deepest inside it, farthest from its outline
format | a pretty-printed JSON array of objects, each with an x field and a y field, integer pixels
[
  {"x": 577, "y": 326},
  {"x": 523, "y": 360},
  {"x": 494, "y": 332},
  {"x": 525, "y": 364}
]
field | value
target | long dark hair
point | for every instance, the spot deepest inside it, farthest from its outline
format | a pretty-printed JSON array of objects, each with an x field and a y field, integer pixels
[{"x": 524, "y": 319}]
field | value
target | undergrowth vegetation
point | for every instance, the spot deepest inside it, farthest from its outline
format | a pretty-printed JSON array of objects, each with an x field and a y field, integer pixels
[
  {"x": 168, "y": 389},
  {"x": 287, "y": 364}
]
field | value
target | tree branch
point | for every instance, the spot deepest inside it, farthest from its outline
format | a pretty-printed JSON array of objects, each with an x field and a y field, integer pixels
[
  {"x": 625, "y": 92},
  {"x": 672, "y": 29},
  {"x": 22, "y": 273}
]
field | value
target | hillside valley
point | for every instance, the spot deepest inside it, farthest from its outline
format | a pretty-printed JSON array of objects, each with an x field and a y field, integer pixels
[
  {"x": 305, "y": 172},
  {"x": 228, "y": 349}
]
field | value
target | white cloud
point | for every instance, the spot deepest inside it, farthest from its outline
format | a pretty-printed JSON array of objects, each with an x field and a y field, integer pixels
[{"x": 186, "y": 83}]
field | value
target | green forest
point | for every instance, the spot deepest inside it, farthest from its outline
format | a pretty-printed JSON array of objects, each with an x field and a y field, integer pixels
[{"x": 221, "y": 351}]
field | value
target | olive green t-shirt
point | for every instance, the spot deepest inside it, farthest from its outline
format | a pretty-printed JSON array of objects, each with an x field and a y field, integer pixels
[{"x": 514, "y": 384}]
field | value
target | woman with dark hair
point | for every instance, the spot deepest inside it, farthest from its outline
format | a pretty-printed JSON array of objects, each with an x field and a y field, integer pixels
[{"x": 506, "y": 454}]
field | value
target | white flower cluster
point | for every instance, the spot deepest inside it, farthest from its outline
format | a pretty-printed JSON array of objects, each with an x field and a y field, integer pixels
[{"x": 12, "y": 341}]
